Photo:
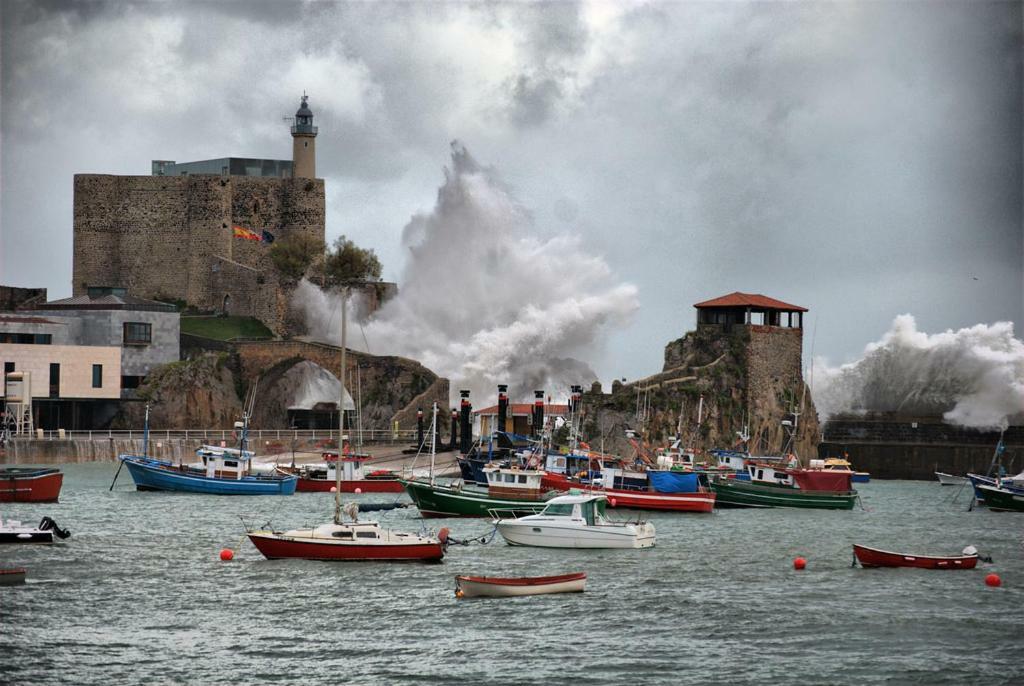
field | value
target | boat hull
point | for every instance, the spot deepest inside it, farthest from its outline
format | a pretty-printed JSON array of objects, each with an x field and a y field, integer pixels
[
  {"x": 742, "y": 494},
  {"x": 950, "y": 480},
  {"x": 639, "y": 500},
  {"x": 150, "y": 475},
  {"x": 493, "y": 587},
  {"x": 861, "y": 477},
  {"x": 276, "y": 547},
  {"x": 27, "y": 536},
  {"x": 444, "y": 501},
  {"x": 20, "y": 485},
  {"x": 12, "y": 576},
  {"x": 540, "y": 534},
  {"x": 1001, "y": 499},
  {"x": 873, "y": 557}
]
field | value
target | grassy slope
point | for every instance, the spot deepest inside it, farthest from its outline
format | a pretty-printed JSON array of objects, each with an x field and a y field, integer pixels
[{"x": 225, "y": 328}]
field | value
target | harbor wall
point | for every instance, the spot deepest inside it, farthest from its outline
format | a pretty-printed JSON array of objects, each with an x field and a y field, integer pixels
[{"x": 911, "y": 447}]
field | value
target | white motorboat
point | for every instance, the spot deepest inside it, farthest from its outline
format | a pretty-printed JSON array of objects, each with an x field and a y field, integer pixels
[
  {"x": 13, "y": 531},
  {"x": 575, "y": 521},
  {"x": 950, "y": 480}
]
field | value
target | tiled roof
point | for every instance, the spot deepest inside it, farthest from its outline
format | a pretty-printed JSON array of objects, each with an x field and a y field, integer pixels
[
  {"x": 106, "y": 302},
  {"x": 524, "y": 409},
  {"x": 738, "y": 299}
]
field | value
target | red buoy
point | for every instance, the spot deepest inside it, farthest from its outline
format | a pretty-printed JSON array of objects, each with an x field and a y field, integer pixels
[
  {"x": 993, "y": 580},
  {"x": 227, "y": 554},
  {"x": 799, "y": 563},
  {"x": 359, "y": 490},
  {"x": 334, "y": 489},
  {"x": 611, "y": 501}
]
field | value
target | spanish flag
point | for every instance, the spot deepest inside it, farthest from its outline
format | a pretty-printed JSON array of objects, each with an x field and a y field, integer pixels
[{"x": 247, "y": 234}]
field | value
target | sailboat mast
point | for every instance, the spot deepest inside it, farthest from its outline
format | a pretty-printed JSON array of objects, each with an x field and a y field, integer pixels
[
  {"x": 433, "y": 442},
  {"x": 341, "y": 411}
]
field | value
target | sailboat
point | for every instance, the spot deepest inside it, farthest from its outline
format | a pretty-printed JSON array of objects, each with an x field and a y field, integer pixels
[{"x": 352, "y": 540}]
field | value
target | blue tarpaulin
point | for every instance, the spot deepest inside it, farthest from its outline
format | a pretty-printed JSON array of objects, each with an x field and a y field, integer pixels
[{"x": 673, "y": 482}]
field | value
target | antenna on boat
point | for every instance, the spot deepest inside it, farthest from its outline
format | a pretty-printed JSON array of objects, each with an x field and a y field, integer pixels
[
  {"x": 433, "y": 441},
  {"x": 145, "y": 437},
  {"x": 341, "y": 410}
]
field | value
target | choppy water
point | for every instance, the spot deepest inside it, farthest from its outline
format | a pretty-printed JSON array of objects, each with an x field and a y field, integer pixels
[{"x": 138, "y": 595}]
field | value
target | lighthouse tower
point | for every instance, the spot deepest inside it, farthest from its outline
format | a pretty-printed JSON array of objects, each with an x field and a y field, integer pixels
[{"x": 304, "y": 143}]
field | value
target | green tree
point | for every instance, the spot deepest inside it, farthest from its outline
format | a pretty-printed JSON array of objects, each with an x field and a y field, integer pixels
[
  {"x": 292, "y": 255},
  {"x": 346, "y": 261}
]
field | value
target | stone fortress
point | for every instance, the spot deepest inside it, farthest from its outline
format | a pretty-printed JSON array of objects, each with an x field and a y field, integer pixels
[{"x": 171, "y": 238}]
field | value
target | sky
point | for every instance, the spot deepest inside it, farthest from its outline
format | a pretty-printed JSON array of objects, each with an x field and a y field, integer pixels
[{"x": 863, "y": 160}]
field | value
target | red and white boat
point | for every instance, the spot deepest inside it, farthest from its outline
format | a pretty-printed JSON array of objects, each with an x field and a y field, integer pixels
[
  {"x": 498, "y": 587},
  {"x": 12, "y": 576},
  {"x": 349, "y": 541},
  {"x": 320, "y": 478},
  {"x": 648, "y": 499},
  {"x": 873, "y": 557},
  {"x": 30, "y": 484}
]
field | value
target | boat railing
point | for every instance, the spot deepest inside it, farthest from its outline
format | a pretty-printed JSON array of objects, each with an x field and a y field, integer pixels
[{"x": 284, "y": 436}]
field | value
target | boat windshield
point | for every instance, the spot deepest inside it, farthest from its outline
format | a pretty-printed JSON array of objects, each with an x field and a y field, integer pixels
[{"x": 561, "y": 509}]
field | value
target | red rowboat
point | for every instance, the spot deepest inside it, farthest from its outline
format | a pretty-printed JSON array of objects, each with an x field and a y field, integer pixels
[
  {"x": 872, "y": 557},
  {"x": 30, "y": 485},
  {"x": 497, "y": 587},
  {"x": 700, "y": 501}
]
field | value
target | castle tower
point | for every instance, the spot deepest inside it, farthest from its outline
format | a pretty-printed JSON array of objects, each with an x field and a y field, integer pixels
[{"x": 304, "y": 143}]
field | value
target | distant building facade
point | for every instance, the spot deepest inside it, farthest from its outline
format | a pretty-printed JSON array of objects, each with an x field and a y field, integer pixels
[{"x": 172, "y": 237}]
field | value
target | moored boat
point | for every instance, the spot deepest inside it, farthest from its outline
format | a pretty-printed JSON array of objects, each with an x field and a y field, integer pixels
[
  {"x": 950, "y": 479},
  {"x": 873, "y": 557},
  {"x": 498, "y": 587},
  {"x": 224, "y": 475},
  {"x": 13, "y": 531},
  {"x": 1001, "y": 499},
  {"x": 12, "y": 576},
  {"x": 354, "y": 540},
  {"x": 30, "y": 484},
  {"x": 575, "y": 521},
  {"x": 841, "y": 464},
  {"x": 321, "y": 478},
  {"x": 694, "y": 498},
  {"x": 455, "y": 500},
  {"x": 809, "y": 491}
]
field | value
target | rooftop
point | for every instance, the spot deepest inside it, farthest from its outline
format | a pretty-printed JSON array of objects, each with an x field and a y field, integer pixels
[
  {"x": 524, "y": 409},
  {"x": 107, "y": 299},
  {"x": 7, "y": 319},
  {"x": 757, "y": 300}
]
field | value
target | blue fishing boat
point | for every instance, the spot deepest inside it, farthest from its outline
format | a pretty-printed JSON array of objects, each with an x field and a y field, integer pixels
[{"x": 222, "y": 471}]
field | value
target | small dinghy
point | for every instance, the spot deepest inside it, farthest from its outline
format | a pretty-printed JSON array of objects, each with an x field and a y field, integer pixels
[
  {"x": 13, "y": 531},
  {"x": 12, "y": 576},
  {"x": 873, "y": 557},
  {"x": 950, "y": 479},
  {"x": 497, "y": 587}
]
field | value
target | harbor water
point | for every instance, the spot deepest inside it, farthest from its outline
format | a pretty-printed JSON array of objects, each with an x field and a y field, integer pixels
[{"x": 139, "y": 595}]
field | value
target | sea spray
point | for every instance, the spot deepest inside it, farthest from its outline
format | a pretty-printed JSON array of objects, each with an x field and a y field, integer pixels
[
  {"x": 483, "y": 299},
  {"x": 974, "y": 376}
]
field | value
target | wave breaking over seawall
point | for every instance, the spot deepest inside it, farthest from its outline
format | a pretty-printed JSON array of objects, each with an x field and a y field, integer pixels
[
  {"x": 973, "y": 377},
  {"x": 483, "y": 299}
]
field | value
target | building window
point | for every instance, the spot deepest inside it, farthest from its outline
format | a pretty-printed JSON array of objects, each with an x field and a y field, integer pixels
[
  {"x": 97, "y": 376},
  {"x": 138, "y": 333},
  {"x": 9, "y": 368},
  {"x": 26, "y": 338},
  {"x": 54, "y": 380},
  {"x": 131, "y": 381}
]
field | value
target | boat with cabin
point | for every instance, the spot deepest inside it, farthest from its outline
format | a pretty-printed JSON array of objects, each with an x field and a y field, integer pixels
[
  {"x": 1001, "y": 499},
  {"x": 841, "y": 464},
  {"x": 874, "y": 557},
  {"x": 499, "y": 587},
  {"x": 787, "y": 487},
  {"x": 510, "y": 489},
  {"x": 319, "y": 478},
  {"x": 13, "y": 531},
  {"x": 642, "y": 490},
  {"x": 575, "y": 521},
  {"x": 30, "y": 484}
]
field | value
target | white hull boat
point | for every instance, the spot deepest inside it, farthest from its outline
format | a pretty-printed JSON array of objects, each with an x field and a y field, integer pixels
[
  {"x": 575, "y": 521},
  {"x": 950, "y": 480},
  {"x": 497, "y": 587}
]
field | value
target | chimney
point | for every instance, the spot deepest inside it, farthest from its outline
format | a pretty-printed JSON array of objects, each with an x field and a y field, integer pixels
[
  {"x": 419, "y": 426},
  {"x": 465, "y": 428},
  {"x": 538, "y": 412},
  {"x": 455, "y": 430},
  {"x": 502, "y": 408}
]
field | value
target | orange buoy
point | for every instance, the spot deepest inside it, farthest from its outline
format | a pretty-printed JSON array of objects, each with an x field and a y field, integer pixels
[
  {"x": 227, "y": 554},
  {"x": 359, "y": 490},
  {"x": 442, "y": 535},
  {"x": 334, "y": 489},
  {"x": 799, "y": 563},
  {"x": 993, "y": 580},
  {"x": 611, "y": 501}
]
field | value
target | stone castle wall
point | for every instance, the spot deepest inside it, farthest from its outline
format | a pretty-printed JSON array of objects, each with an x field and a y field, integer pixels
[{"x": 171, "y": 238}]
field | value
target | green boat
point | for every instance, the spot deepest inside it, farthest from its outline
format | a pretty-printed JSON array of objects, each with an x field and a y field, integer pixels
[
  {"x": 1001, "y": 499},
  {"x": 435, "y": 500},
  {"x": 731, "y": 493}
]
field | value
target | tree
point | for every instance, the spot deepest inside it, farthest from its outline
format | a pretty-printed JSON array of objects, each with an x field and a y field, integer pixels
[
  {"x": 346, "y": 261},
  {"x": 292, "y": 255}
]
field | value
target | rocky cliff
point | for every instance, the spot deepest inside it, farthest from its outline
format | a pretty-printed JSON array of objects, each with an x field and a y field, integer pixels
[{"x": 747, "y": 375}]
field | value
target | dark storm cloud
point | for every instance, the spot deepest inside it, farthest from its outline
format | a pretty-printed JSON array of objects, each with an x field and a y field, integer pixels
[{"x": 860, "y": 159}]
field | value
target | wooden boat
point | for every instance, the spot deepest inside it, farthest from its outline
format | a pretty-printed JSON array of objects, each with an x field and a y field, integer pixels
[
  {"x": 516, "y": 492},
  {"x": 841, "y": 464},
  {"x": 806, "y": 493},
  {"x": 13, "y": 531},
  {"x": 950, "y": 480},
  {"x": 225, "y": 474},
  {"x": 349, "y": 541},
  {"x": 30, "y": 484},
  {"x": 702, "y": 500},
  {"x": 321, "y": 478},
  {"x": 873, "y": 557},
  {"x": 575, "y": 521},
  {"x": 497, "y": 587},
  {"x": 12, "y": 576},
  {"x": 1001, "y": 499}
]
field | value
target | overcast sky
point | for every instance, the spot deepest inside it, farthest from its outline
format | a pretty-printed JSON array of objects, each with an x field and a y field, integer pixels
[{"x": 859, "y": 159}]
